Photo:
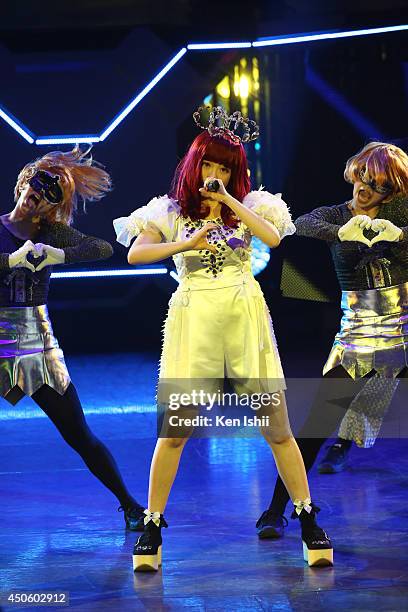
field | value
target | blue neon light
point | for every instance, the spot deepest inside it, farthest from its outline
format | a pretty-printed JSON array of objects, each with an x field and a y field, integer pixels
[
  {"x": 142, "y": 94},
  {"x": 12, "y": 123},
  {"x": 109, "y": 273},
  {"x": 264, "y": 42},
  {"x": 299, "y": 38},
  {"x": 45, "y": 140},
  {"x": 174, "y": 275},
  {"x": 209, "y": 46}
]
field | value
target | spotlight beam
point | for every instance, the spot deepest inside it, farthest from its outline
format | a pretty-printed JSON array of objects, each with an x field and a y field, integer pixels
[{"x": 337, "y": 100}]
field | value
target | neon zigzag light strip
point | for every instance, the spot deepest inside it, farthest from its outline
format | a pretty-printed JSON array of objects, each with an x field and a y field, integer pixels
[
  {"x": 109, "y": 273},
  {"x": 264, "y": 42},
  {"x": 23, "y": 132}
]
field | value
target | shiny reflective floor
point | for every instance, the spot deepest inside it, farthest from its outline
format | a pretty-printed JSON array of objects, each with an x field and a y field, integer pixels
[{"x": 61, "y": 531}]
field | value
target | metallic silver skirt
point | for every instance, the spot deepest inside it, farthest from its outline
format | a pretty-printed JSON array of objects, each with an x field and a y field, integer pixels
[
  {"x": 373, "y": 333},
  {"x": 29, "y": 353}
]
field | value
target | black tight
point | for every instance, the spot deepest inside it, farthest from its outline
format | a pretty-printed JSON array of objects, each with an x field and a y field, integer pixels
[
  {"x": 335, "y": 394},
  {"x": 65, "y": 411}
]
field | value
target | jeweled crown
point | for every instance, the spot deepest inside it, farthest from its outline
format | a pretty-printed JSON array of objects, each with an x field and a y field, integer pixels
[{"x": 219, "y": 123}]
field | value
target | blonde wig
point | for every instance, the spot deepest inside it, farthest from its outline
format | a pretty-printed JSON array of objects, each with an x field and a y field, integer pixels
[
  {"x": 82, "y": 178},
  {"x": 384, "y": 163}
]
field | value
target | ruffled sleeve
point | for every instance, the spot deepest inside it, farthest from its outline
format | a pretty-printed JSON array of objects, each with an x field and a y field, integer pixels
[
  {"x": 272, "y": 208},
  {"x": 159, "y": 214}
]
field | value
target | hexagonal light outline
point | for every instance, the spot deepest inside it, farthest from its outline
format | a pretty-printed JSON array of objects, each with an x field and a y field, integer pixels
[{"x": 31, "y": 138}]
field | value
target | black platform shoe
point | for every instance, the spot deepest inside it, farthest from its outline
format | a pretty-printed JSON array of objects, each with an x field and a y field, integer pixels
[
  {"x": 147, "y": 552},
  {"x": 271, "y": 525},
  {"x": 134, "y": 517},
  {"x": 317, "y": 547}
]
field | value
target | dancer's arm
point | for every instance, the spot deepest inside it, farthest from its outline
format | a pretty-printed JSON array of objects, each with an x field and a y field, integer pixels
[
  {"x": 76, "y": 246},
  {"x": 18, "y": 258},
  {"x": 322, "y": 223},
  {"x": 4, "y": 261}
]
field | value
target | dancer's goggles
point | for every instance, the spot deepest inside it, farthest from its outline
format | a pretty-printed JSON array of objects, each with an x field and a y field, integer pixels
[
  {"x": 48, "y": 186},
  {"x": 380, "y": 189}
]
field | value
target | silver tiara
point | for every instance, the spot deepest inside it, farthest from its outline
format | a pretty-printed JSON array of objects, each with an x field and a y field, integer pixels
[{"x": 219, "y": 123}]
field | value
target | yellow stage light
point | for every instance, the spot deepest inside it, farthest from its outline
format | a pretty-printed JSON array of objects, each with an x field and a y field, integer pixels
[
  {"x": 236, "y": 81},
  {"x": 244, "y": 86},
  {"x": 223, "y": 88}
]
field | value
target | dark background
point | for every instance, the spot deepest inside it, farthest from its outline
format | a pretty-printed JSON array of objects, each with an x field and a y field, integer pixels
[{"x": 71, "y": 67}]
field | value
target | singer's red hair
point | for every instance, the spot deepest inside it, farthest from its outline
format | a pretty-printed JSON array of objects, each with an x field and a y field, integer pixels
[
  {"x": 187, "y": 178},
  {"x": 81, "y": 178}
]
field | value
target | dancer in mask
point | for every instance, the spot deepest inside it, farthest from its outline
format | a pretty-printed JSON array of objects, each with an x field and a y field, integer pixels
[
  {"x": 35, "y": 236},
  {"x": 368, "y": 240}
]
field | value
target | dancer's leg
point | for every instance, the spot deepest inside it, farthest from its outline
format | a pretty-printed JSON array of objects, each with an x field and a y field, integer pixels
[
  {"x": 325, "y": 415},
  {"x": 317, "y": 546},
  {"x": 65, "y": 411}
]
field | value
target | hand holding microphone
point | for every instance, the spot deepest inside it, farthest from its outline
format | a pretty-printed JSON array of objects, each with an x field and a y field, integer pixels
[
  {"x": 214, "y": 189},
  {"x": 212, "y": 185}
]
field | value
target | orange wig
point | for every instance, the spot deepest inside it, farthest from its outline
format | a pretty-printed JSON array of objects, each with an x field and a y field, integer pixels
[
  {"x": 81, "y": 178},
  {"x": 382, "y": 162}
]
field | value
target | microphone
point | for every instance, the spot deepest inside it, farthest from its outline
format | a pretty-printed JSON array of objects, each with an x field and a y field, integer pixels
[{"x": 213, "y": 185}]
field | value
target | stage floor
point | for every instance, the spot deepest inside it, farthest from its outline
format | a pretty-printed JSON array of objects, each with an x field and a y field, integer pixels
[{"x": 61, "y": 531}]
